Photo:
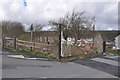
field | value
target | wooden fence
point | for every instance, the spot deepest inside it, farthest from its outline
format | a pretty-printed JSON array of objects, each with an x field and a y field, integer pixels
[{"x": 20, "y": 44}]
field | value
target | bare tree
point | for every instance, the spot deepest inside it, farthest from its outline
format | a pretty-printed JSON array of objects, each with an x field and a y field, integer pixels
[
  {"x": 75, "y": 25},
  {"x": 37, "y": 29},
  {"x": 12, "y": 29}
]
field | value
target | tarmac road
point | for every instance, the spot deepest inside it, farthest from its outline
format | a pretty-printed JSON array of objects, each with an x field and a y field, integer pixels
[{"x": 25, "y": 68}]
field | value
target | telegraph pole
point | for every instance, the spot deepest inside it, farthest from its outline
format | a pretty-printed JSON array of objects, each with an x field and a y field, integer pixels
[{"x": 59, "y": 50}]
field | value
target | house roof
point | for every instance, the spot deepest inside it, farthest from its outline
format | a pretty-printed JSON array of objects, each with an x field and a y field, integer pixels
[{"x": 109, "y": 35}]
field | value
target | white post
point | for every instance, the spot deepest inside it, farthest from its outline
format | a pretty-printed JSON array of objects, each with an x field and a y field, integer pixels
[
  {"x": 31, "y": 41},
  {"x": 62, "y": 41},
  {"x": 31, "y": 29}
]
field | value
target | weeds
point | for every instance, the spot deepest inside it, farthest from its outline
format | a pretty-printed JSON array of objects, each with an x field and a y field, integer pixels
[
  {"x": 112, "y": 51},
  {"x": 63, "y": 59}
]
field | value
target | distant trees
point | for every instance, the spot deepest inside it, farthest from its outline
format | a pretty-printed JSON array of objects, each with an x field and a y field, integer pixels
[
  {"x": 74, "y": 25},
  {"x": 12, "y": 29},
  {"x": 37, "y": 29}
]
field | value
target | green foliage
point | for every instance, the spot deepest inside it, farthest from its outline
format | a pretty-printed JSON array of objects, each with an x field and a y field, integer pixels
[
  {"x": 38, "y": 53},
  {"x": 24, "y": 51},
  {"x": 94, "y": 48},
  {"x": 93, "y": 55},
  {"x": 52, "y": 57},
  {"x": 45, "y": 54},
  {"x": 112, "y": 51},
  {"x": 25, "y": 37},
  {"x": 20, "y": 46}
]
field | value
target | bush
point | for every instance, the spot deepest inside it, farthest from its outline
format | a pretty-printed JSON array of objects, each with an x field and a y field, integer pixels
[
  {"x": 52, "y": 57},
  {"x": 112, "y": 51},
  {"x": 38, "y": 53},
  {"x": 25, "y": 37}
]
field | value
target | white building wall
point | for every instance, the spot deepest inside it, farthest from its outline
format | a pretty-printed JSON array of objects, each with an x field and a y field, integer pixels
[{"x": 117, "y": 42}]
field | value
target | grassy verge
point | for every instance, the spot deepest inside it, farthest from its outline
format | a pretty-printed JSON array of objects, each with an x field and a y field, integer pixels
[
  {"x": 29, "y": 52},
  {"x": 40, "y": 54},
  {"x": 81, "y": 57},
  {"x": 64, "y": 59},
  {"x": 112, "y": 51}
]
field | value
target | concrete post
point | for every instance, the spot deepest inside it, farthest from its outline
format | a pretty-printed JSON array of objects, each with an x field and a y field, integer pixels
[{"x": 31, "y": 42}]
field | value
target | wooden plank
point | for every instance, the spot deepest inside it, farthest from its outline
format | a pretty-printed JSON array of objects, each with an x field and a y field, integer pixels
[
  {"x": 27, "y": 45},
  {"x": 24, "y": 41},
  {"x": 43, "y": 47}
]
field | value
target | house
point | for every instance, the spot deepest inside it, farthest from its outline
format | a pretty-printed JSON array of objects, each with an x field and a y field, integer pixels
[
  {"x": 108, "y": 36},
  {"x": 43, "y": 36},
  {"x": 95, "y": 38},
  {"x": 117, "y": 42},
  {"x": 99, "y": 36}
]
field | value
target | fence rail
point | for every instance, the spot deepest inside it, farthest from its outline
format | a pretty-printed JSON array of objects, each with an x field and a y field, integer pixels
[{"x": 16, "y": 44}]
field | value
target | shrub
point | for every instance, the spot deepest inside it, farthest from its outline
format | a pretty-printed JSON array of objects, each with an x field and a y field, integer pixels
[{"x": 25, "y": 37}]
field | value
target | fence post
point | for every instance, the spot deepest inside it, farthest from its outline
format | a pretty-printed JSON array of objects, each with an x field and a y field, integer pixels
[
  {"x": 3, "y": 45},
  {"x": 14, "y": 42}
]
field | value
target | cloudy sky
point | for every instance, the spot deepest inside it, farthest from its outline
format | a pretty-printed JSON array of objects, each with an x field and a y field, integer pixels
[{"x": 42, "y": 11}]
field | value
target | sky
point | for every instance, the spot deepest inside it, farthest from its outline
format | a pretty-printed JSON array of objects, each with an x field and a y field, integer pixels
[{"x": 42, "y": 11}]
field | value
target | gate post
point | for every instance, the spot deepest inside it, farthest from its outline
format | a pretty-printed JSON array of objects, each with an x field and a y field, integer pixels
[
  {"x": 59, "y": 50},
  {"x": 104, "y": 46},
  {"x": 31, "y": 29},
  {"x": 14, "y": 42}
]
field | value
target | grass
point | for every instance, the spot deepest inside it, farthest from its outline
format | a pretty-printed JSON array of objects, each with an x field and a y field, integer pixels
[
  {"x": 26, "y": 51},
  {"x": 80, "y": 57},
  {"x": 112, "y": 51},
  {"x": 52, "y": 57},
  {"x": 41, "y": 54},
  {"x": 63, "y": 59},
  {"x": 93, "y": 55}
]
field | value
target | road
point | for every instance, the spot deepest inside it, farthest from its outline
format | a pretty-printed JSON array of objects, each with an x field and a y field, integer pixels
[{"x": 90, "y": 68}]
